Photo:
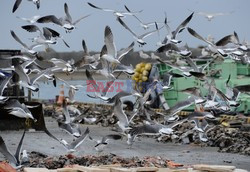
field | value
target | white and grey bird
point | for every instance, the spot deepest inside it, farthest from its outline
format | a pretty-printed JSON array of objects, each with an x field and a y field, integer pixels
[
  {"x": 111, "y": 54},
  {"x": 211, "y": 46},
  {"x": 142, "y": 24},
  {"x": 18, "y": 109},
  {"x": 139, "y": 38},
  {"x": 48, "y": 36},
  {"x": 18, "y": 2},
  {"x": 14, "y": 160},
  {"x": 148, "y": 129},
  {"x": 98, "y": 93},
  {"x": 115, "y": 12},
  {"x": 67, "y": 124},
  {"x": 28, "y": 49},
  {"x": 87, "y": 59},
  {"x": 101, "y": 144},
  {"x": 66, "y": 22},
  {"x": 210, "y": 16},
  {"x": 171, "y": 36},
  {"x": 76, "y": 143}
]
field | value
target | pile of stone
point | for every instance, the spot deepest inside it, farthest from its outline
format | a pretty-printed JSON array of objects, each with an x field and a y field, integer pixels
[{"x": 39, "y": 160}]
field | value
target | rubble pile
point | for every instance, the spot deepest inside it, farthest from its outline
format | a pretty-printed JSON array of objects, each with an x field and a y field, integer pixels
[
  {"x": 38, "y": 160},
  {"x": 229, "y": 140},
  {"x": 233, "y": 140}
]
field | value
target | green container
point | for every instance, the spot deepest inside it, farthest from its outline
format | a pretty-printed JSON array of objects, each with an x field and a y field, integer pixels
[
  {"x": 243, "y": 69},
  {"x": 238, "y": 74}
]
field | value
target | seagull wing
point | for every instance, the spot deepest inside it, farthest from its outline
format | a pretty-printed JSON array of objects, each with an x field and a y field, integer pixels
[
  {"x": 120, "y": 114},
  {"x": 111, "y": 137},
  {"x": 109, "y": 42},
  {"x": 50, "y": 19},
  {"x": 233, "y": 38},
  {"x": 133, "y": 14},
  {"x": 31, "y": 28},
  {"x": 16, "y": 5},
  {"x": 126, "y": 27},
  {"x": 182, "y": 25},
  {"x": 84, "y": 46},
  {"x": 77, "y": 21},
  {"x": 79, "y": 140},
  {"x": 19, "y": 148},
  {"x": 123, "y": 52},
  {"x": 104, "y": 9},
  {"x": 68, "y": 16},
  {"x": 66, "y": 112},
  {"x": 180, "y": 105},
  {"x": 17, "y": 39},
  {"x": 149, "y": 33},
  {"x": 4, "y": 150},
  {"x": 195, "y": 34},
  {"x": 91, "y": 80}
]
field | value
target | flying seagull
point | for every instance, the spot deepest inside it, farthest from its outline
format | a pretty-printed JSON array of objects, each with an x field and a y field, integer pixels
[
  {"x": 45, "y": 36},
  {"x": 28, "y": 49},
  {"x": 211, "y": 46},
  {"x": 211, "y": 16},
  {"x": 18, "y": 2},
  {"x": 172, "y": 34},
  {"x": 101, "y": 144},
  {"x": 14, "y": 160},
  {"x": 116, "y": 13},
  {"x": 16, "y": 108},
  {"x": 72, "y": 146},
  {"x": 66, "y": 22},
  {"x": 139, "y": 38}
]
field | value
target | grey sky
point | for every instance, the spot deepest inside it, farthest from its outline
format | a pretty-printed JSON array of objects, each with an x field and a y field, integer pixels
[{"x": 92, "y": 28}]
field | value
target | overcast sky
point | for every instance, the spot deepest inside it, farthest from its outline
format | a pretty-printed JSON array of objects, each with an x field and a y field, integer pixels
[{"x": 91, "y": 29}]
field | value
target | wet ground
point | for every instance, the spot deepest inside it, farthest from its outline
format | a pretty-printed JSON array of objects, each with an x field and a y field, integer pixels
[{"x": 185, "y": 154}]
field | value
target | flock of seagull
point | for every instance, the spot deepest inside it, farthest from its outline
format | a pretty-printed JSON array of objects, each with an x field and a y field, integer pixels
[{"x": 108, "y": 63}]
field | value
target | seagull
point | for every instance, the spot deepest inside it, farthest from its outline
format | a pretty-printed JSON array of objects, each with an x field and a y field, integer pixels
[
  {"x": 101, "y": 144},
  {"x": 86, "y": 59},
  {"x": 67, "y": 124},
  {"x": 28, "y": 49},
  {"x": 140, "y": 38},
  {"x": 26, "y": 81},
  {"x": 66, "y": 22},
  {"x": 18, "y": 2},
  {"x": 14, "y": 160},
  {"x": 172, "y": 35},
  {"x": 97, "y": 90},
  {"x": 111, "y": 54},
  {"x": 210, "y": 16},
  {"x": 116, "y": 13},
  {"x": 211, "y": 46},
  {"x": 233, "y": 38},
  {"x": 31, "y": 20},
  {"x": 148, "y": 129},
  {"x": 142, "y": 24},
  {"x": 45, "y": 36},
  {"x": 17, "y": 109},
  {"x": 72, "y": 146}
]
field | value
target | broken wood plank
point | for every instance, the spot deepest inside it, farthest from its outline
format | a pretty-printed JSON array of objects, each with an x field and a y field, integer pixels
[
  {"x": 67, "y": 169},
  {"x": 90, "y": 169},
  {"x": 36, "y": 170},
  {"x": 214, "y": 168}
]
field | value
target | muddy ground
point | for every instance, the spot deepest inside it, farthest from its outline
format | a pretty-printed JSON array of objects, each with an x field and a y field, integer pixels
[{"x": 185, "y": 154}]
